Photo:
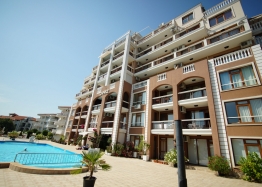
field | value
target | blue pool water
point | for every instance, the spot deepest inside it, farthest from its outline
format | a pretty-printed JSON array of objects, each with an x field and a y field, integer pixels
[{"x": 38, "y": 155}]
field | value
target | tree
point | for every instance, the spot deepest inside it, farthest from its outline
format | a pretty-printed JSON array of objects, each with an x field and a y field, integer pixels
[
  {"x": 7, "y": 124},
  {"x": 45, "y": 132},
  {"x": 34, "y": 130}
]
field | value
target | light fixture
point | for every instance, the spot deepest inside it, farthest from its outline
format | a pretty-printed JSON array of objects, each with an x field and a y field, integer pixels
[
  {"x": 193, "y": 80},
  {"x": 166, "y": 86},
  {"x": 191, "y": 59},
  {"x": 147, "y": 45},
  {"x": 189, "y": 41},
  {"x": 147, "y": 59},
  {"x": 165, "y": 35},
  {"x": 226, "y": 47},
  {"x": 195, "y": 105},
  {"x": 166, "y": 109},
  {"x": 145, "y": 74},
  {"x": 165, "y": 50},
  {"x": 166, "y": 67}
]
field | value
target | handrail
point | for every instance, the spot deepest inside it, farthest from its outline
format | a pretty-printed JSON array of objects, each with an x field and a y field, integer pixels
[
  {"x": 139, "y": 85},
  {"x": 162, "y": 96},
  {"x": 118, "y": 55},
  {"x": 199, "y": 119},
  {"x": 192, "y": 90}
]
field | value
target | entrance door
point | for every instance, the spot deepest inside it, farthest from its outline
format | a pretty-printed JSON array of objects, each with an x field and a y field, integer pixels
[{"x": 163, "y": 148}]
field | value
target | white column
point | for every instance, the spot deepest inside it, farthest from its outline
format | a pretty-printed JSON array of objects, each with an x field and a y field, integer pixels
[
  {"x": 120, "y": 91},
  {"x": 68, "y": 119},
  {"x": 130, "y": 114},
  {"x": 147, "y": 108},
  {"x": 218, "y": 111},
  {"x": 110, "y": 65}
]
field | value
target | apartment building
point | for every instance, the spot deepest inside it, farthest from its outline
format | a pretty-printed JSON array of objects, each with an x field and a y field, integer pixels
[
  {"x": 46, "y": 122},
  {"x": 202, "y": 67},
  {"x": 60, "y": 124}
]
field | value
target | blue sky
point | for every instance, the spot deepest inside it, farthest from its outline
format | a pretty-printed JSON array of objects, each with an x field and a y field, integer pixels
[{"x": 48, "y": 47}]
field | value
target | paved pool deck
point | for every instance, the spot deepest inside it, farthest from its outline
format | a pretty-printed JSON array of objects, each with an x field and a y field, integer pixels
[{"x": 125, "y": 172}]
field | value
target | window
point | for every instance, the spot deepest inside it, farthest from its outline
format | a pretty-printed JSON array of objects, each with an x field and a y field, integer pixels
[
  {"x": 138, "y": 120},
  {"x": 225, "y": 35},
  {"x": 241, "y": 147},
  {"x": 135, "y": 140},
  {"x": 237, "y": 78},
  {"x": 140, "y": 98},
  {"x": 187, "y": 18},
  {"x": 246, "y": 111},
  {"x": 220, "y": 18}
]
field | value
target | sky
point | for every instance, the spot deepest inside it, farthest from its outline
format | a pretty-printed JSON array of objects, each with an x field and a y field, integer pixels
[{"x": 48, "y": 47}]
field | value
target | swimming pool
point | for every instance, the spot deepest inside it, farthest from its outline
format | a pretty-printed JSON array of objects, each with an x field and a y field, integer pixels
[{"x": 38, "y": 155}]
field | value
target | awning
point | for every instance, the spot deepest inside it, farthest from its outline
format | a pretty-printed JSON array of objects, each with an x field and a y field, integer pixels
[{"x": 85, "y": 133}]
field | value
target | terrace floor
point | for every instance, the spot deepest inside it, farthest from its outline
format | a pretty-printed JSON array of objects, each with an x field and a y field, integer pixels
[{"x": 125, "y": 172}]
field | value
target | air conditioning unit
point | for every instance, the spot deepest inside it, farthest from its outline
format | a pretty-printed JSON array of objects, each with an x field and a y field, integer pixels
[
  {"x": 183, "y": 86},
  {"x": 246, "y": 44},
  {"x": 112, "y": 97},
  {"x": 115, "y": 66},
  {"x": 138, "y": 64},
  {"x": 113, "y": 80},
  {"x": 109, "y": 114},
  {"x": 180, "y": 47},
  {"x": 137, "y": 106},
  {"x": 182, "y": 109},
  {"x": 137, "y": 79},
  {"x": 186, "y": 138}
]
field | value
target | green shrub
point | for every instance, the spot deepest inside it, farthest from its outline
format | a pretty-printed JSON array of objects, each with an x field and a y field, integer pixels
[
  {"x": 251, "y": 167},
  {"x": 40, "y": 137},
  {"x": 34, "y": 130},
  {"x": 45, "y": 132},
  {"x": 29, "y": 133},
  {"x": 171, "y": 157},
  {"x": 219, "y": 164}
]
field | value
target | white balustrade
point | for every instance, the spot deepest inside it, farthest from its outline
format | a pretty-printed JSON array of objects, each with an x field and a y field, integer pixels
[
  {"x": 161, "y": 77},
  {"x": 231, "y": 57},
  {"x": 256, "y": 26},
  {"x": 189, "y": 68},
  {"x": 217, "y": 7}
]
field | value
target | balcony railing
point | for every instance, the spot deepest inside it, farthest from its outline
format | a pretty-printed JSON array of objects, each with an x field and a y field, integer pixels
[
  {"x": 137, "y": 124},
  {"x": 96, "y": 107},
  {"x": 258, "y": 40},
  {"x": 190, "y": 49},
  {"x": 190, "y": 94},
  {"x": 163, "y": 43},
  {"x": 125, "y": 104},
  {"x": 163, "y": 99},
  {"x": 116, "y": 70},
  {"x": 120, "y": 42},
  {"x": 94, "y": 68},
  {"x": 78, "y": 94},
  {"x": 231, "y": 57},
  {"x": 84, "y": 113},
  {"x": 139, "y": 85},
  {"x": 102, "y": 77},
  {"x": 92, "y": 124},
  {"x": 162, "y": 27},
  {"x": 110, "y": 104},
  {"x": 163, "y": 124},
  {"x": 161, "y": 77},
  {"x": 131, "y": 54},
  {"x": 77, "y": 114},
  {"x": 139, "y": 103},
  {"x": 105, "y": 63},
  {"x": 122, "y": 125},
  {"x": 93, "y": 78},
  {"x": 189, "y": 68},
  {"x": 144, "y": 52},
  {"x": 129, "y": 68},
  {"x": 256, "y": 26},
  {"x": 118, "y": 55},
  {"x": 203, "y": 123},
  {"x": 187, "y": 31},
  {"x": 224, "y": 35},
  {"x": 107, "y": 124},
  {"x": 144, "y": 38},
  {"x": 217, "y": 7}
]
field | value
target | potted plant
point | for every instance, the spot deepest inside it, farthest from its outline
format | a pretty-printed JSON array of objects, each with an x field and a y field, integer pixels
[
  {"x": 171, "y": 158},
  {"x": 92, "y": 160},
  {"x": 109, "y": 150},
  {"x": 146, "y": 146},
  {"x": 13, "y": 135},
  {"x": 219, "y": 164}
]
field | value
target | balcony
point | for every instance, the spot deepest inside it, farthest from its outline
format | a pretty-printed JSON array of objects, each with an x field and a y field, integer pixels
[
  {"x": 84, "y": 114},
  {"x": 231, "y": 57},
  {"x": 118, "y": 55},
  {"x": 101, "y": 77},
  {"x": 258, "y": 40},
  {"x": 189, "y": 68},
  {"x": 93, "y": 125},
  {"x": 157, "y": 31},
  {"x": 193, "y": 98},
  {"x": 96, "y": 109},
  {"x": 122, "y": 125},
  {"x": 115, "y": 70},
  {"x": 163, "y": 103},
  {"x": 130, "y": 69},
  {"x": 132, "y": 54},
  {"x": 95, "y": 68},
  {"x": 196, "y": 126},
  {"x": 212, "y": 45},
  {"x": 256, "y": 27},
  {"x": 187, "y": 31},
  {"x": 104, "y": 64},
  {"x": 110, "y": 107},
  {"x": 139, "y": 85},
  {"x": 118, "y": 43},
  {"x": 163, "y": 127},
  {"x": 218, "y": 7},
  {"x": 144, "y": 52},
  {"x": 77, "y": 115},
  {"x": 107, "y": 127}
]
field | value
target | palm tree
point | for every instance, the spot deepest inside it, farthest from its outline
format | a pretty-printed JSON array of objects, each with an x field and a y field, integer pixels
[{"x": 92, "y": 159}]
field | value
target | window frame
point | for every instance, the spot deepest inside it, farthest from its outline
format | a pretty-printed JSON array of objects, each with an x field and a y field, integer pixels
[
  {"x": 186, "y": 17},
  {"x": 219, "y": 16},
  {"x": 142, "y": 123}
]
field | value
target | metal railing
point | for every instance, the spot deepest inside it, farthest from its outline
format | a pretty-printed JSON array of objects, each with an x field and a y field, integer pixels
[
  {"x": 163, "y": 99},
  {"x": 163, "y": 124},
  {"x": 190, "y": 94},
  {"x": 47, "y": 158},
  {"x": 110, "y": 104},
  {"x": 96, "y": 107},
  {"x": 107, "y": 124},
  {"x": 139, "y": 85},
  {"x": 202, "y": 123},
  {"x": 217, "y": 7}
]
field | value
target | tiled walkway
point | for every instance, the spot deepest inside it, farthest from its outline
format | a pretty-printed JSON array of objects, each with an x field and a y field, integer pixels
[{"x": 125, "y": 172}]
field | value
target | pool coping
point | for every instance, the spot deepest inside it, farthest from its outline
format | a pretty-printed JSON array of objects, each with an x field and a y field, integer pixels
[{"x": 46, "y": 171}]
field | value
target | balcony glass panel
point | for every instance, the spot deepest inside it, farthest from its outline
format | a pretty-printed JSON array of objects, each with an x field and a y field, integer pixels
[
  {"x": 163, "y": 99},
  {"x": 96, "y": 107},
  {"x": 201, "y": 92},
  {"x": 201, "y": 123},
  {"x": 162, "y": 124},
  {"x": 110, "y": 104}
]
